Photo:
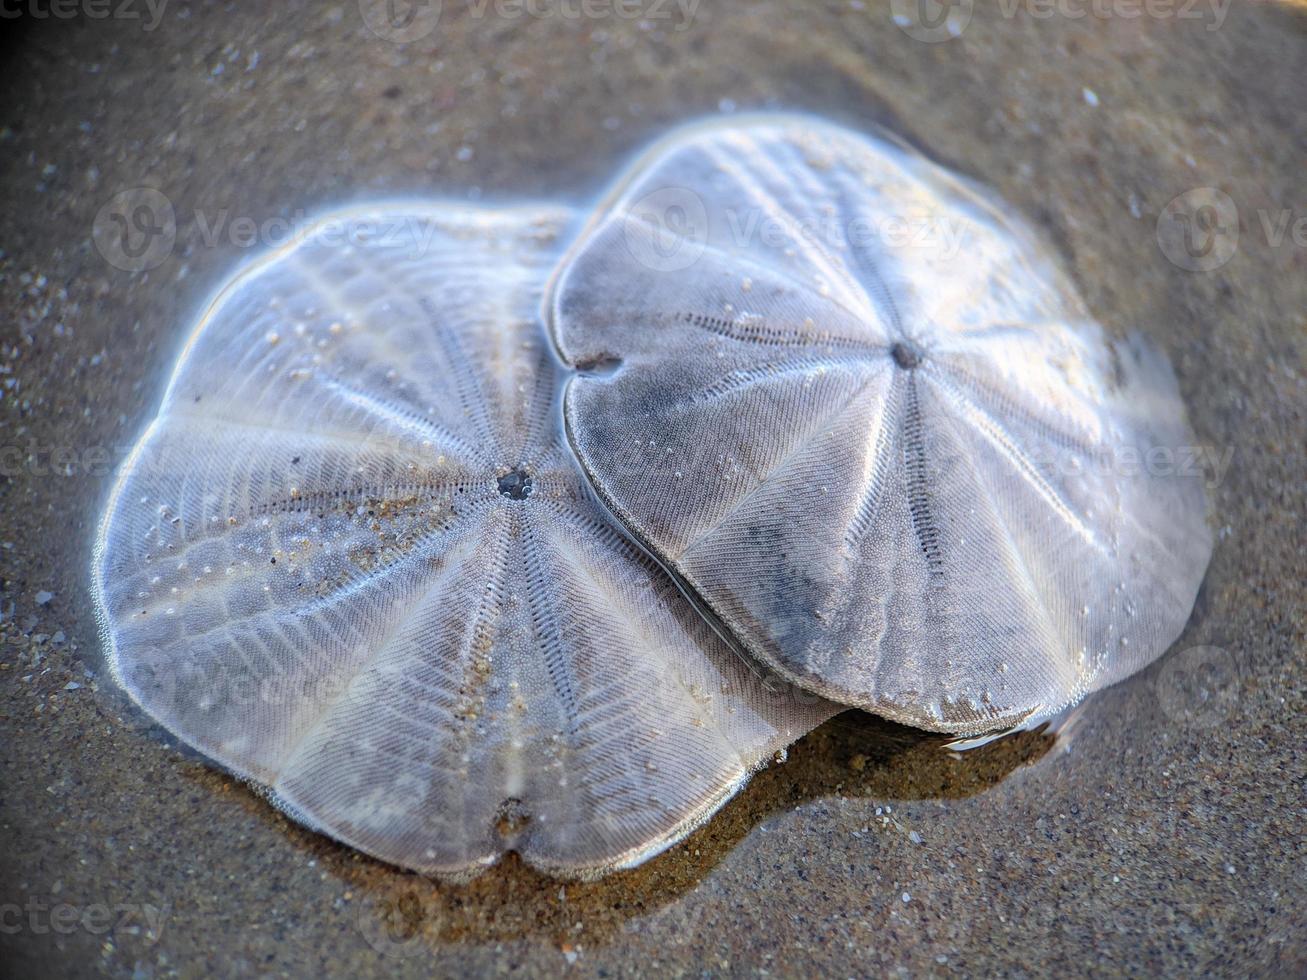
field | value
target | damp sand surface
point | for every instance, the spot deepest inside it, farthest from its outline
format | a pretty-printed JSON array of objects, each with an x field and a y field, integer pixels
[{"x": 1160, "y": 831}]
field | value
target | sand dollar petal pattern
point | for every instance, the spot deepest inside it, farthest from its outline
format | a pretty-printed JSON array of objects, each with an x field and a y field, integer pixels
[
  {"x": 860, "y": 413},
  {"x": 352, "y": 560}
]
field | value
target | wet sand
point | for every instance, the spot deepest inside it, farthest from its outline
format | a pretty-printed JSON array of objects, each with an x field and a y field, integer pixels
[{"x": 1160, "y": 832}]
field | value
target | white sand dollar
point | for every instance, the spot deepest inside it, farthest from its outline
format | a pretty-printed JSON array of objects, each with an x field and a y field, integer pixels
[
  {"x": 875, "y": 430},
  {"x": 352, "y": 560}
]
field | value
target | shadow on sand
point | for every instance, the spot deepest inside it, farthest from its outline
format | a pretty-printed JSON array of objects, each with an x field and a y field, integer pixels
[{"x": 854, "y": 755}]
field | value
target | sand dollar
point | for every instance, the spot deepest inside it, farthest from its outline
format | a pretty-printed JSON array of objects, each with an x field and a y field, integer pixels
[
  {"x": 353, "y": 560},
  {"x": 875, "y": 430}
]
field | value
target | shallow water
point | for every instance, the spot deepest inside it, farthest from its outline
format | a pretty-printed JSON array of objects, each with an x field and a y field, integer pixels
[{"x": 1161, "y": 830}]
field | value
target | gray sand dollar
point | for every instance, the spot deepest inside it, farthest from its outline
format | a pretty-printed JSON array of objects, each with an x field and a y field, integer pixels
[
  {"x": 353, "y": 560},
  {"x": 858, "y": 409}
]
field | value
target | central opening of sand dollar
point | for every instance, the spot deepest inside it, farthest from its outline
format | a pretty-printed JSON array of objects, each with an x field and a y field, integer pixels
[
  {"x": 515, "y": 484},
  {"x": 905, "y": 355}
]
